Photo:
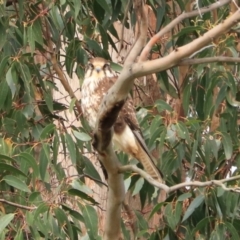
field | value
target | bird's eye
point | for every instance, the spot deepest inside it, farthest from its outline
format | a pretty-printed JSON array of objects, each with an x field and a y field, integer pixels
[
  {"x": 90, "y": 65},
  {"x": 106, "y": 65}
]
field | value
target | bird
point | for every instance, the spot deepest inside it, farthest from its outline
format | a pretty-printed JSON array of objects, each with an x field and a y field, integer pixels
[{"x": 127, "y": 135}]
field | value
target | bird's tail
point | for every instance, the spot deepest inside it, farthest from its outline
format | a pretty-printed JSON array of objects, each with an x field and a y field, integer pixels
[
  {"x": 147, "y": 160},
  {"x": 149, "y": 165}
]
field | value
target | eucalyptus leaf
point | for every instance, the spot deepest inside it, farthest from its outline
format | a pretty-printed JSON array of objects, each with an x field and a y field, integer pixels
[
  {"x": 9, "y": 168},
  {"x": 5, "y": 220},
  {"x": 16, "y": 183},
  {"x": 90, "y": 220},
  {"x": 194, "y": 204},
  {"x": 138, "y": 186},
  {"x": 47, "y": 131},
  {"x": 71, "y": 147},
  {"x": 31, "y": 162},
  {"x": 227, "y": 145},
  {"x": 82, "y": 136},
  {"x": 81, "y": 195}
]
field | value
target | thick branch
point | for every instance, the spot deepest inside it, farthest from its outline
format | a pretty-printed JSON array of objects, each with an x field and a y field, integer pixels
[
  {"x": 116, "y": 96},
  {"x": 180, "y": 53},
  {"x": 180, "y": 185},
  {"x": 141, "y": 40},
  {"x": 17, "y": 205},
  {"x": 176, "y": 21},
  {"x": 121, "y": 88},
  {"x": 102, "y": 143}
]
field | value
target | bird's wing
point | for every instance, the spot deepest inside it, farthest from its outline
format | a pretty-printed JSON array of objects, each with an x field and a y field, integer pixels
[{"x": 129, "y": 136}]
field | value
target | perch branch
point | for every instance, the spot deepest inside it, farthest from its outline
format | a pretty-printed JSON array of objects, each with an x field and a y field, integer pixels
[{"x": 167, "y": 189}]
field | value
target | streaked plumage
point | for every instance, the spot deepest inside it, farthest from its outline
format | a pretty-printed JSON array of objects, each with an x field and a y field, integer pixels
[{"x": 127, "y": 134}]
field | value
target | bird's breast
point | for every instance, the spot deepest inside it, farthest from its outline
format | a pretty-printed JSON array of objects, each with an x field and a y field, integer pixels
[{"x": 91, "y": 99}]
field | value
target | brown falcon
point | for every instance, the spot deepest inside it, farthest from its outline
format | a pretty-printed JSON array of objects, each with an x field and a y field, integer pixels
[{"x": 127, "y": 134}]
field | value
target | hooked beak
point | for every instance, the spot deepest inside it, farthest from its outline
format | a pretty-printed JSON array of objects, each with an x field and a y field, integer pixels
[{"x": 98, "y": 69}]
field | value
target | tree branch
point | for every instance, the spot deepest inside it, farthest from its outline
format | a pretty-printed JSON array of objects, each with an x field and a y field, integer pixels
[
  {"x": 167, "y": 189},
  {"x": 119, "y": 91},
  {"x": 176, "y": 21},
  {"x": 58, "y": 70},
  {"x": 141, "y": 11},
  {"x": 17, "y": 205},
  {"x": 180, "y": 53},
  {"x": 189, "y": 61},
  {"x": 64, "y": 81}
]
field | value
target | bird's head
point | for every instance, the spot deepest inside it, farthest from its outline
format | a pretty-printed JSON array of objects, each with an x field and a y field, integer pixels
[{"x": 98, "y": 68}]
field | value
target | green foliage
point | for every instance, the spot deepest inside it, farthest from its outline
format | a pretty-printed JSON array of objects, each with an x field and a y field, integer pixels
[{"x": 38, "y": 199}]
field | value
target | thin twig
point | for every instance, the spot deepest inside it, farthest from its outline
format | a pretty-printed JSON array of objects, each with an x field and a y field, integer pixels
[
  {"x": 200, "y": 50},
  {"x": 188, "y": 61},
  {"x": 235, "y": 4},
  {"x": 94, "y": 179},
  {"x": 123, "y": 27},
  {"x": 17, "y": 205},
  {"x": 58, "y": 70},
  {"x": 64, "y": 82},
  {"x": 198, "y": 8}
]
